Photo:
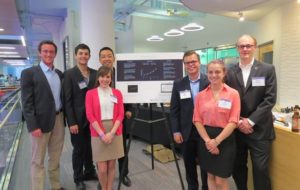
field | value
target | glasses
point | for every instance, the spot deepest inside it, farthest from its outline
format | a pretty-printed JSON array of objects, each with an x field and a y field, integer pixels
[
  {"x": 190, "y": 62},
  {"x": 247, "y": 46}
]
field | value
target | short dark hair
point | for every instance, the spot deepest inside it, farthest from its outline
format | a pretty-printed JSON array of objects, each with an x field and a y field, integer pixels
[
  {"x": 49, "y": 42},
  {"x": 106, "y": 48},
  {"x": 102, "y": 71},
  {"x": 82, "y": 46},
  {"x": 191, "y": 52}
]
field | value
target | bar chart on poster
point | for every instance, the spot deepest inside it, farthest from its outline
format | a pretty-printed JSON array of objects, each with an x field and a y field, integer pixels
[{"x": 147, "y": 77}]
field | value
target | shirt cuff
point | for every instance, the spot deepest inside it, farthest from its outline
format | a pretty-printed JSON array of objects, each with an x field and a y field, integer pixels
[{"x": 251, "y": 122}]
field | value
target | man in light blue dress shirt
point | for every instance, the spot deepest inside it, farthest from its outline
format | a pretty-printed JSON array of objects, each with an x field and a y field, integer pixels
[{"x": 42, "y": 110}]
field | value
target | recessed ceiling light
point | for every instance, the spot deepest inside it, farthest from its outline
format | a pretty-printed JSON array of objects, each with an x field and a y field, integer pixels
[
  {"x": 10, "y": 56},
  {"x": 155, "y": 38},
  {"x": 192, "y": 27},
  {"x": 6, "y": 47},
  {"x": 15, "y": 62},
  {"x": 174, "y": 32},
  {"x": 1, "y": 29},
  {"x": 8, "y": 52}
]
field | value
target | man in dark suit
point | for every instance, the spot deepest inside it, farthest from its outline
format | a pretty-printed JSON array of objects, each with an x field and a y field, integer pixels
[
  {"x": 42, "y": 110},
  {"x": 181, "y": 114},
  {"x": 77, "y": 81},
  {"x": 256, "y": 84},
  {"x": 107, "y": 58}
]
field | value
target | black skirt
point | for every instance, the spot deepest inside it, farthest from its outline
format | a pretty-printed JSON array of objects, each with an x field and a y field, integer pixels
[{"x": 220, "y": 165}]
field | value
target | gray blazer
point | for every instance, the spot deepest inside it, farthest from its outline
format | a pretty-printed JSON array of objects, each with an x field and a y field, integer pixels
[
  {"x": 181, "y": 110},
  {"x": 256, "y": 101},
  {"x": 38, "y": 102}
]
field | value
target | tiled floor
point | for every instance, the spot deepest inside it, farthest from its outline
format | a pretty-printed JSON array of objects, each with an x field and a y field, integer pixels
[{"x": 163, "y": 177}]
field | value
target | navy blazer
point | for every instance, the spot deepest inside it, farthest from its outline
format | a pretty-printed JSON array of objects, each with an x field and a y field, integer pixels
[
  {"x": 37, "y": 100},
  {"x": 181, "y": 110},
  {"x": 256, "y": 101},
  {"x": 74, "y": 97}
]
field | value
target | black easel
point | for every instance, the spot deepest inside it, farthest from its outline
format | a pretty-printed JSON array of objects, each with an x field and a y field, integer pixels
[{"x": 151, "y": 121}]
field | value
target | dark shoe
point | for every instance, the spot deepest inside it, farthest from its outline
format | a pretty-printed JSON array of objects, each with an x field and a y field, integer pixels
[
  {"x": 99, "y": 187},
  {"x": 126, "y": 181},
  {"x": 62, "y": 188},
  {"x": 92, "y": 176},
  {"x": 80, "y": 186}
]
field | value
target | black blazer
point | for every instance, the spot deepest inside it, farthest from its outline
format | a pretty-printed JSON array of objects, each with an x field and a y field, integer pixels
[
  {"x": 74, "y": 97},
  {"x": 37, "y": 100},
  {"x": 181, "y": 110},
  {"x": 256, "y": 102}
]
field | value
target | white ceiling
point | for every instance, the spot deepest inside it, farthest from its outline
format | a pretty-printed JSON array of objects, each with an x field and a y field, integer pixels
[{"x": 40, "y": 17}]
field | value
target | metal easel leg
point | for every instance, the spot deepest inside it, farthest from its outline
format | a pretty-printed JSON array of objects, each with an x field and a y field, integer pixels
[
  {"x": 128, "y": 147},
  {"x": 172, "y": 144}
]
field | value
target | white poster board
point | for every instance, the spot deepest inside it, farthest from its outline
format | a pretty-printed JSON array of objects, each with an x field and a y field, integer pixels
[{"x": 147, "y": 77}]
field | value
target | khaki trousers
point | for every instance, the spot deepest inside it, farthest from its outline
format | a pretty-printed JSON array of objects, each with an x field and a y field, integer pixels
[{"x": 53, "y": 141}]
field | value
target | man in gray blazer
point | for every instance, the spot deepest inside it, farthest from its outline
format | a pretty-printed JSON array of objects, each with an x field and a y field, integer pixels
[
  {"x": 181, "y": 114},
  {"x": 42, "y": 110},
  {"x": 256, "y": 84}
]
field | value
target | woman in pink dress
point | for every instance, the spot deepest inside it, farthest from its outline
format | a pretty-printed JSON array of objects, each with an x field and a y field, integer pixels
[{"x": 216, "y": 115}]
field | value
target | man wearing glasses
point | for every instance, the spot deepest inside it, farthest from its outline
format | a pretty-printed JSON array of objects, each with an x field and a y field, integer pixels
[
  {"x": 256, "y": 84},
  {"x": 181, "y": 114}
]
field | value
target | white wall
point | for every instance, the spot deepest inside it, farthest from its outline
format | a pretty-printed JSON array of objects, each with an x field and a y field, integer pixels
[{"x": 282, "y": 26}]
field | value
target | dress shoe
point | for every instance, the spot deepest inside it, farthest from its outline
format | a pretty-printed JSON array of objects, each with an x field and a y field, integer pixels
[
  {"x": 61, "y": 188},
  {"x": 91, "y": 176},
  {"x": 126, "y": 181},
  {"x": 80, "y": 186},
  {"x": 99, "y": 187}
]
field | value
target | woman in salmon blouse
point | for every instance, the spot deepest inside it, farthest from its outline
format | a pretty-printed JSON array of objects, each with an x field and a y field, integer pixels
[
  {"x": 105, "y": 112},
  {"x": 216, "y": 115}
]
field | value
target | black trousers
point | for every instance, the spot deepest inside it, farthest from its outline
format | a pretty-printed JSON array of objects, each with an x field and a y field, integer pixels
[
  {"x": 82, "y": 159},
  {"x": 190, "y": 155},
  {"x": 122, "y": 162},
  {"x": 260, "y": 156}
]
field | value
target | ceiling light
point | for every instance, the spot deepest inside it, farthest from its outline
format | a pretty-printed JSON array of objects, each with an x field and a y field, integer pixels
[
  {"x": 15, "y": 62},
  {"x": 10, "y": 56},
  {"x": 155, "y": 38},
  {"x": 174, "y": 32},
  {"x": 298, "y": 1},
  {"x": 23, "y": 41},
  {"x": 8, "y": 52},
  {"x": 241, "y": 16},
  {"x": 6, "y": 47},
  {"x": 1, "y": 29},
  {"x": 192, "y": 27}
]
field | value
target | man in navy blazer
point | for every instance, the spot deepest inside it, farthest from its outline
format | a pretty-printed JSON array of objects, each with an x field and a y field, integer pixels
[
  {"x": 181, "y": 114},
  {"x": 256, "y": 84},
  {"x": 77, "y": 81},
  {"x": 42, "y": 110}
]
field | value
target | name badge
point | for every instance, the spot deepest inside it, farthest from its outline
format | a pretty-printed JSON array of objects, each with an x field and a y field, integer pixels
[
  {"x": 185, "y": 94},
  {"x": 224, "y": 104},
  {"x": 82, "y": 85},
  {"x": 113, "y": 98},
  {"x": 258, "y": 81}
]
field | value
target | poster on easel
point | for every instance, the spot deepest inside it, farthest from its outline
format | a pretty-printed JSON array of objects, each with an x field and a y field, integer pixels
[{"x": 148, "y": 77}]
